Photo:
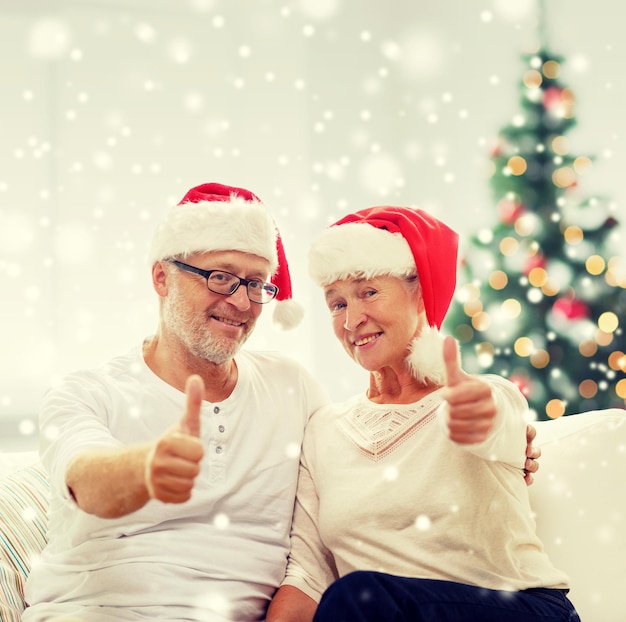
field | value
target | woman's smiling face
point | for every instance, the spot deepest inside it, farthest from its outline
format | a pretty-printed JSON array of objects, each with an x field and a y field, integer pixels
[{"x": 375, "y": 319}]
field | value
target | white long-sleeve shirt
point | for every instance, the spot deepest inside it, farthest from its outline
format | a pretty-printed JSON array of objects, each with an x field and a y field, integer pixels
[
  {"x": 219, "y": 556},
  {"x": 383, "y": 488}
]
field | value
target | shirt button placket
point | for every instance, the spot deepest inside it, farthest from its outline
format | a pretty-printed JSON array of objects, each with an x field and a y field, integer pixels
[{"x": 217, "y": 447}]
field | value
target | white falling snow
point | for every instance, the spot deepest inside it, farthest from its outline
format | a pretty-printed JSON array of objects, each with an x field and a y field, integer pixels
[{"x": 113, "y": 110}]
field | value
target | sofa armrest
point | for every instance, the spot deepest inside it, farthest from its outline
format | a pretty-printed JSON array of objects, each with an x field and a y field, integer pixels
[{"x": 24, "y": 496}]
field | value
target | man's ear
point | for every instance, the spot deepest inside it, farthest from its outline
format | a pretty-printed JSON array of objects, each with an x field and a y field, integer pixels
[{"x": 159, "y": 278}]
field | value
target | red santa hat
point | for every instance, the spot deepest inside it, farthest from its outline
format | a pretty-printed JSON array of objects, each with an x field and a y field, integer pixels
[
  {"x": 397, "y": 241},
  {"x": 391, "y": 240},
  {"x": 215, "y": 217}
]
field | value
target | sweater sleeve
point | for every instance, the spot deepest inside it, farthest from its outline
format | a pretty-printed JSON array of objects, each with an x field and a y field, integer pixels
[
  {"x": 506, "y": 442},
  {"x": 72, "y": 419},
  {"x": 311, "y": 567}
]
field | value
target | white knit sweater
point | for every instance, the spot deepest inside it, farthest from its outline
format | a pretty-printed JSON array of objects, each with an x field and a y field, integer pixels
[{"x": 390, "y": 492}]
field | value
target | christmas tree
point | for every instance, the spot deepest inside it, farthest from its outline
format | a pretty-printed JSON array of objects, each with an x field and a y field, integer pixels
[{"x": 542, "y": 295}]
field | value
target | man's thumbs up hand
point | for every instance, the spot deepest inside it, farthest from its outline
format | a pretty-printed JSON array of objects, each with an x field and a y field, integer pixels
[
  {"x": 173, "y": 462},
  {"x": 470, "y": 405},
  {"x": 190, "y": 422}
]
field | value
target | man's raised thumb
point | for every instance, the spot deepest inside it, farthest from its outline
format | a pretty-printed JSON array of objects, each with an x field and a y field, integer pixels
[
  {"x": 190, "y": 422},
  {"x": 451, "y": 358}
]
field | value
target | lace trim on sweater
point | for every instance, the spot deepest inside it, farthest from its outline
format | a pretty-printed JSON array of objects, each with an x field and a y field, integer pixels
[{"x": 377, "y": 432}]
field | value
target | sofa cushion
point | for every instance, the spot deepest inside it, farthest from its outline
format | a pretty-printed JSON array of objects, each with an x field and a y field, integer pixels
[{"x": 23, "y": 523}]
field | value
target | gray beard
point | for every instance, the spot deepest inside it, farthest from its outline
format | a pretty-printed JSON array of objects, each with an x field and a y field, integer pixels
[
  {"x": 204, "y": 345},
  {"x": 193, "y": 332}
]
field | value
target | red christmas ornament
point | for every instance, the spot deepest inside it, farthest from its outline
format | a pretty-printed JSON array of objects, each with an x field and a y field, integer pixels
[
  {"x": 570, "y": 308},
  {"x": 535, "y": 261},
  {"x": 510, "y": 210},
  {"x": 552, "y": 98},
  {"x": 496, "y": 148}
]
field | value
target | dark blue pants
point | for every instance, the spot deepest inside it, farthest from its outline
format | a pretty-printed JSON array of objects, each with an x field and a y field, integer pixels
[{"x": 376, "y": 597}]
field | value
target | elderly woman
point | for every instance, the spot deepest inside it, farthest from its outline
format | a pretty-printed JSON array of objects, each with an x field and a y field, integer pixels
[{"x": 412, "y": 504}]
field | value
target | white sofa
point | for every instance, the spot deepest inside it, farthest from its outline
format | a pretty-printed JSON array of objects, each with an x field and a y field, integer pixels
[{"x": 579, "y": 497}]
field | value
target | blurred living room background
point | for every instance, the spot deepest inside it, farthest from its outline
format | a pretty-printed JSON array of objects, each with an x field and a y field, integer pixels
[{"x": 113, "y": 109}]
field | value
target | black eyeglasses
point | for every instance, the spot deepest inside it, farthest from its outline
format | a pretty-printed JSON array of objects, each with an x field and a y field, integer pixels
[{"x": 226, "y": 284}]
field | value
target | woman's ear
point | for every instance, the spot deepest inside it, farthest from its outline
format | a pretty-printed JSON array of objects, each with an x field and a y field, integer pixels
[{"x": 421, "y": 308}]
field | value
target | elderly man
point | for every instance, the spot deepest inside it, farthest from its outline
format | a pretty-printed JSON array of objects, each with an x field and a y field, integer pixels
[{"x": 173, "y": 468}]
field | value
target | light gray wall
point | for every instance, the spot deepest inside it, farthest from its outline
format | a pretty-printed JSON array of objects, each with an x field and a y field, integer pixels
[{"x": 111, "y": 110}]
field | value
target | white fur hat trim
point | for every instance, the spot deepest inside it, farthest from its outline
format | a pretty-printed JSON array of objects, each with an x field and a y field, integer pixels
[
  {"x": 358, "y": 249},
  {"x": 216, "y": 226}
]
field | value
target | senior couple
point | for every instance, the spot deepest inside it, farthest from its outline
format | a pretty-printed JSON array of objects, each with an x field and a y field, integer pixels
[{"x": 175, "y": 467}]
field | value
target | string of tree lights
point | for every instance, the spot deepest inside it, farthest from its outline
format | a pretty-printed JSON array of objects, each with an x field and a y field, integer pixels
[{"x": 542, "y": 295}]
